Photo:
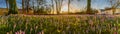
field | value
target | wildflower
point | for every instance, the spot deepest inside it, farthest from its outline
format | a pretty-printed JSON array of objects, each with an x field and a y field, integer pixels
[
  {"x": 102, "y": 19},
  {"x": 36, "y": 27},
  {"x": 14, "y": 25},
  {"x": 31, "y": 29},
  {"x": 39, "y": 32},
  {"x": 8, "y": 33},
  {"x": 22, "y": 32},
  {"x": 90, "y": 22},
  {"x": 58, "y": 30},
  {"x": 75, "y": 24},
  {"x": 17, "y": 32},
  {"x": 87, "y": 31},
  {"x": 115, "y": 32},
  {"x": 42, "y": 32}
]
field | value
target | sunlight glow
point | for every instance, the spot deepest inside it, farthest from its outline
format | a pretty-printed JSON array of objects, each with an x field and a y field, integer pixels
[{"x": 64, "y": 9}]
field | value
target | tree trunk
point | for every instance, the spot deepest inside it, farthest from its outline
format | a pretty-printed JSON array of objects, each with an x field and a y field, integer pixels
[
  {"x": 114, "y": 5},
  {"x": 12, "y": 7},
  {"x": 23, "y": 6},
  {"x": 69, "y": 6},
  {"x": 60, "y": 5},
  {"x": 27, "y": 8},
  {"x": 7, "y": 4},
  {"x": 56, "y": 1},
  {"x": 113, "y": 10},
  {"x": 88, "y": 6},
  {"x": 53, "y": 6},
  {"x": 33, "y": 7}
]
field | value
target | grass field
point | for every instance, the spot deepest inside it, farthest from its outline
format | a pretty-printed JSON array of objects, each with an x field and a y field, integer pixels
[{"x": 60, "y": 24}]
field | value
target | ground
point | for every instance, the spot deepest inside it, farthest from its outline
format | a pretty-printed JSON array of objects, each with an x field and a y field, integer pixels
[{"x": 60, "y": 24}]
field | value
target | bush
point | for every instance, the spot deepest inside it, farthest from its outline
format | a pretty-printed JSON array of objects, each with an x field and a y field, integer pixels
[{"x": 59, "y": 24}]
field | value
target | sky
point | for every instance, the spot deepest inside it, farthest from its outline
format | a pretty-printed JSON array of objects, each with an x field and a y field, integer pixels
[
  {"x": 3, "y": 3},
  {"x": 97, "y": 4}
]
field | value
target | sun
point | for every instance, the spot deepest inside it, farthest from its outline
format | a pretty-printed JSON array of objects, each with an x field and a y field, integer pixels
[{"x": 64, "y": 8}]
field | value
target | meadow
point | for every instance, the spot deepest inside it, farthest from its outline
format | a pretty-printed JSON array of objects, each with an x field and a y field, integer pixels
[{"x": 60, "y": 24}]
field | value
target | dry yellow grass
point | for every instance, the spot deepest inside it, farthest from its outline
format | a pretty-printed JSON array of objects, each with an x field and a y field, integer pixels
[{"x": 4, "y": 11}]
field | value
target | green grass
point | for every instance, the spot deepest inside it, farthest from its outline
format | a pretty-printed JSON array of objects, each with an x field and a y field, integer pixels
[{"x": 77, "y": 24}]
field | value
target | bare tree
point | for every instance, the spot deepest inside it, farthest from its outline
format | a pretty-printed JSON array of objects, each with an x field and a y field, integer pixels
[
  {"x": 88, "y": 6},
  {"x": 6, "y": 4},
  {"x": 69, "y": 1},
  {"x": 12, "y": 7},
  {"x": 23, "y": 5},
  {"x": 40, "y": 7},
  {"x": 53, "y": 5},
  {"x": 27, "y": 5},
  {"x": 58, "y": 5},
  {"x": 33, "y": 5},
  {"x": 114, "y": 4}
]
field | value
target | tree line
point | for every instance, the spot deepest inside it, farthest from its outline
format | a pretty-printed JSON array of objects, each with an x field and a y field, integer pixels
[{"x": 41, "y": 6}]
